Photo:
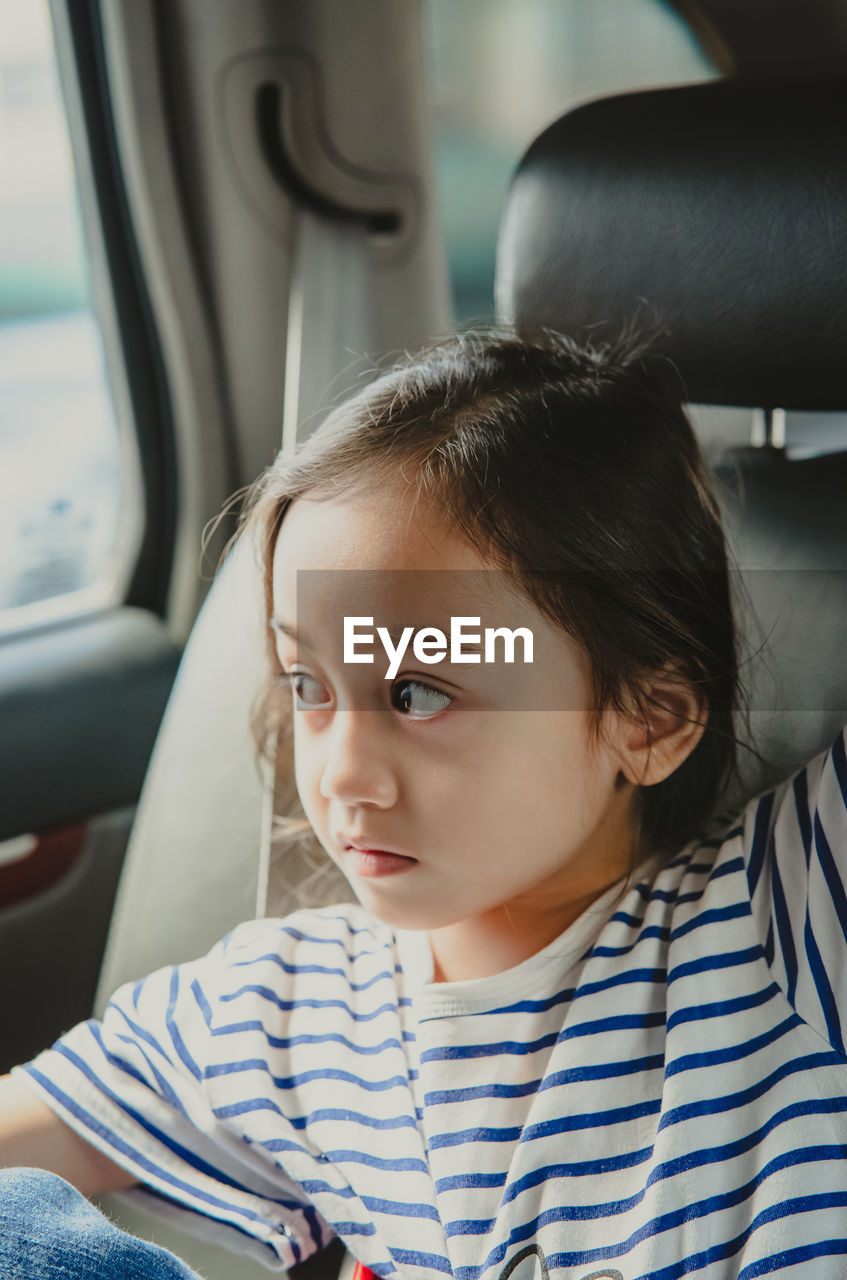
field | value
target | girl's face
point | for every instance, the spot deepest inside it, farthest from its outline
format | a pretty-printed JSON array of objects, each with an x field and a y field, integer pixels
[{"x": 475, "y": 801}]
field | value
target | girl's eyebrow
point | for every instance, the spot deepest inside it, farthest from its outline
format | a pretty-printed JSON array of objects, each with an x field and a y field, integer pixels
[
  {"x": 284, "y": 628},
  {"x": 395, "y": 633}
]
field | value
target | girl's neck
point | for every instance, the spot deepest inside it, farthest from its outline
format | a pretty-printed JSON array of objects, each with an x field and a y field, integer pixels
[{"x": 500, "y": 939}]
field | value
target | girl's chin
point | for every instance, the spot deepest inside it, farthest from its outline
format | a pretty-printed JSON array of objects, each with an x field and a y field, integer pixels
[{"x": 400, "y": 912}]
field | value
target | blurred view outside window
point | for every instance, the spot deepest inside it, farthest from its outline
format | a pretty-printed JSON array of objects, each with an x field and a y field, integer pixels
[
  {"x": 500, "y": 71},
  {"x": 68, "y": 481}
]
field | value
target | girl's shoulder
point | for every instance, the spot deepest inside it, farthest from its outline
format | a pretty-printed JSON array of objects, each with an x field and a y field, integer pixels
[
  {"x": 331, "y": 940},
  {"x": 806, "y": 802},
  {"x": 795, "y": 802}
]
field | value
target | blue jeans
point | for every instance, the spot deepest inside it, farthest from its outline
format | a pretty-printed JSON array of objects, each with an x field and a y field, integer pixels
[{"x": 49, "y": 1231}]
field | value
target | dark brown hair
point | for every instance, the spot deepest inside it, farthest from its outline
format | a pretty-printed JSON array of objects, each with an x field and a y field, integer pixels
[{"x": 576, "y": 470}]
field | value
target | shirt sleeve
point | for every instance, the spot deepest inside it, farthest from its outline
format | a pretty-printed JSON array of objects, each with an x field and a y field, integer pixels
[
  {"x": 796, "y": 841},
  {"x": 138, "y": 1086}
]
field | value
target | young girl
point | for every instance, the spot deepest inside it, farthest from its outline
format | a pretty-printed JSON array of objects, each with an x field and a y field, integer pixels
[{"x": 567, "y": 1029}]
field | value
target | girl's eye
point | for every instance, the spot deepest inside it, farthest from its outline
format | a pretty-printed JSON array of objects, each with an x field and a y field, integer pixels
[
  {"x": 417, "y": 700},
  {"x": 308, "y": 691}
]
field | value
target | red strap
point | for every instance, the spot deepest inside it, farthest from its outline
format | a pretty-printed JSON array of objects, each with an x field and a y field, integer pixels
[{"x": 363, "y": 1273}]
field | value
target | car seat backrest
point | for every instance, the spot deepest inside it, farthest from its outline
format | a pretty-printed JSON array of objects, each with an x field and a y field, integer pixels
[
  {"x": 193, "y": 866},
  {"x": 713, "y": 219}
]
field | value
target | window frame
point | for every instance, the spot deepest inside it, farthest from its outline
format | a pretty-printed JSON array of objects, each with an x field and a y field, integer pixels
[{"x": 123, "y": 311}]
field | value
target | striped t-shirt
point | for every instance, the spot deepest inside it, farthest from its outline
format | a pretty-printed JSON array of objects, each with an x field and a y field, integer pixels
[{"x": 661, "y": 1092}]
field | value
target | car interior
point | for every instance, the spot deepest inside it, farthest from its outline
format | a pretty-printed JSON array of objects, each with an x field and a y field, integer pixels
[{"x": 240, "y": 147}]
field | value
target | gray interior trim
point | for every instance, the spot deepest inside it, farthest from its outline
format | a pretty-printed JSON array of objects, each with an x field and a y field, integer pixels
[
  {"x": 53, "y": 944},
  {"x": 80, "y": 705}
]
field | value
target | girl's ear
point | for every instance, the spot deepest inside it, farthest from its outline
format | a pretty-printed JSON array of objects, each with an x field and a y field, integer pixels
[{"x": 663, "y": 731}]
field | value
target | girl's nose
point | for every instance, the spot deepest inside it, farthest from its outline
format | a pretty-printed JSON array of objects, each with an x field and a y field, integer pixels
[{"x": 360, "y": 764}]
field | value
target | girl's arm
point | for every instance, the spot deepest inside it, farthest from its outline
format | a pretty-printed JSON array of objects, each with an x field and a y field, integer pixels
[
  {"x": 32, "y": 1135},
  {"x": 795, "y": 841}
]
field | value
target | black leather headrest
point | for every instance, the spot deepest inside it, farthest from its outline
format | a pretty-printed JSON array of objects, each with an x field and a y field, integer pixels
[{"x": 716, "y": 214}]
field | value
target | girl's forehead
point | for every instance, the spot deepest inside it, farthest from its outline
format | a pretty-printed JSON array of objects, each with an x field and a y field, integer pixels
[
  {"x": 385, "y": 552},
  {"x": 384, "y": 562},
  {"x": 385, "y": 530}
]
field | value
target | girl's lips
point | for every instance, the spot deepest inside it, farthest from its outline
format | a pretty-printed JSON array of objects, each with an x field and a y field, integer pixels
[{"x": 372, "y": 863}]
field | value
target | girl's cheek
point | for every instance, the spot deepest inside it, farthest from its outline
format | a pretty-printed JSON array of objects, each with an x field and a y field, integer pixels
[{"x": 307, "y": 766}]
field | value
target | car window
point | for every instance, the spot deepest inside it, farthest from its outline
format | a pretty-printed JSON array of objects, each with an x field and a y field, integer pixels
[{"x": 70, "y": 507}]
